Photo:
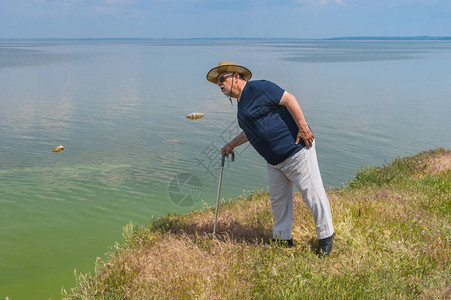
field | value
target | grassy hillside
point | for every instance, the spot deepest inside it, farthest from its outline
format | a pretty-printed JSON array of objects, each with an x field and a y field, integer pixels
[{"x": 393, "y": 226}]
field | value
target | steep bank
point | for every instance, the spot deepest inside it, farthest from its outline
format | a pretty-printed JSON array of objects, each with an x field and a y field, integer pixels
[{"x": 393, "y": 241}]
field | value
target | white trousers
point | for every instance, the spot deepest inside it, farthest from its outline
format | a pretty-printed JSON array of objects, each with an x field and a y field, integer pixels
[{"x": 300, "y": 170}]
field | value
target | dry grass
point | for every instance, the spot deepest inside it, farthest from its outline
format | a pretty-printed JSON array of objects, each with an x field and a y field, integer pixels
[
  {"x": 437, "y": 165},
  {"x": 393, "y": 241}
]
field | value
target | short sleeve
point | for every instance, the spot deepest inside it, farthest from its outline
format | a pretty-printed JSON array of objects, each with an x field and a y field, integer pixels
[{"x": 274, "y": 92}]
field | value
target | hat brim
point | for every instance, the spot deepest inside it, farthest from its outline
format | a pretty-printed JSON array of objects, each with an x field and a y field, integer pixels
[{"x": 214, "y": 73}]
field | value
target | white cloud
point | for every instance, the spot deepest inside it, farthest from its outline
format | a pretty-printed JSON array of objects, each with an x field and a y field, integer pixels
[
  {"x": 118, "y": 2},
  {"x": 321, "y": 2},
  {"x": 106, "y": 10}
]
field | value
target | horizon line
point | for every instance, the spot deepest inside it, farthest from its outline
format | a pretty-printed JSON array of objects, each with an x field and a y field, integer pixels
[{"x": 422, "y": 37}]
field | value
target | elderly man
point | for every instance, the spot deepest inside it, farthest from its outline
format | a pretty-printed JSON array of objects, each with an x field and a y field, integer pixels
[{"x": 273, "y": 122}]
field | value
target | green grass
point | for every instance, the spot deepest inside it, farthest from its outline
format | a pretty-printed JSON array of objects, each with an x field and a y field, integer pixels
[{"x": 393, "y": 242}]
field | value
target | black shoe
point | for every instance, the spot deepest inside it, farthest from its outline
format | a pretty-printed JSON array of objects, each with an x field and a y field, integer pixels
[
  {"x": 325, "y": 245},
  {"x": 286, "y": 243}
]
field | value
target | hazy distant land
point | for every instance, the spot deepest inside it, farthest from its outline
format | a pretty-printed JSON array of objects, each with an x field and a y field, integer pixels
[{"x": 356, "y": 38}]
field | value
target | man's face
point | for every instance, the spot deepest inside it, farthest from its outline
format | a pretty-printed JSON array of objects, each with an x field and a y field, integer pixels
[{"x": 225, "y": 82}]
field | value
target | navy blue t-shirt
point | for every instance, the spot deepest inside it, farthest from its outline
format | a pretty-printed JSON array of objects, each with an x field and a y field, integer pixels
[{"x": 268, "y": 126}]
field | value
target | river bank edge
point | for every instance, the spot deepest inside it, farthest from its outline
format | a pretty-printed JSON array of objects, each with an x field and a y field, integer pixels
[{"x": 393, "y": 226}]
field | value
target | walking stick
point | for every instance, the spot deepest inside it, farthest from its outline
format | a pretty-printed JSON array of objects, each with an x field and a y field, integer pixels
[{"x": 219, "y": 188}]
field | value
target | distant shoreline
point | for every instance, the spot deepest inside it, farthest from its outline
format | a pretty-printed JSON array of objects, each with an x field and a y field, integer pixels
[{"x": 357, "y": 38}]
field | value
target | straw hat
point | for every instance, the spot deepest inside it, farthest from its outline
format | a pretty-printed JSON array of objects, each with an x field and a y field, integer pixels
[{"x": 223, "y": 66}]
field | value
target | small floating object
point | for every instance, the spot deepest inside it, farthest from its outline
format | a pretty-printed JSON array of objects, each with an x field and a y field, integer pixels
[
  {"x": 195, "y": 116},
  {"x": 171, "y": 141},
  {"x": 58, "y": 148}
]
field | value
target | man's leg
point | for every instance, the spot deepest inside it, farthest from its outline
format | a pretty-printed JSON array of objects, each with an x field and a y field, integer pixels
[
  {"x": 281, "y": 192},
  {"x": 302, "y": 168}
]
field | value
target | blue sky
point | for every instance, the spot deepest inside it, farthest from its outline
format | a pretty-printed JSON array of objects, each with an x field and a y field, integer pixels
[{"x": 227, "y": 18}]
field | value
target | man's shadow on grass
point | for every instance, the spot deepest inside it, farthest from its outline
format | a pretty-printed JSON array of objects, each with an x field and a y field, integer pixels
[
  {"x": 227, "y": 231},
  {"x": 238, "y": 233}
]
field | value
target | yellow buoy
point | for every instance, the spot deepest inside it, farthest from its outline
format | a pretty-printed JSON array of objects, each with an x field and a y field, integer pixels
[
  {"x": 195, "y": 116},
  {"x": 58, "y": 148}
]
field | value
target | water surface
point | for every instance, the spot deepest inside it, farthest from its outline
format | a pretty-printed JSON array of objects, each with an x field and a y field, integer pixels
[{"x": 119, "y": 109}]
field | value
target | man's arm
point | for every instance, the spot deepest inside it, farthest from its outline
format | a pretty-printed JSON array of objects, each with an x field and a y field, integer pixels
[
  {"x": 304, "y": 132},
  {"x": 238, "y": 140}
]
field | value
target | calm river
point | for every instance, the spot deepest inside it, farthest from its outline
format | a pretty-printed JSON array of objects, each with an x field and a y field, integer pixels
[{"x": 119, "y": 109}]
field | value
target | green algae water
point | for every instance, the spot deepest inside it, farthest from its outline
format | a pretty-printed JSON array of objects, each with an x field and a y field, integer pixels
[{"x": 119, "y": 109}]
